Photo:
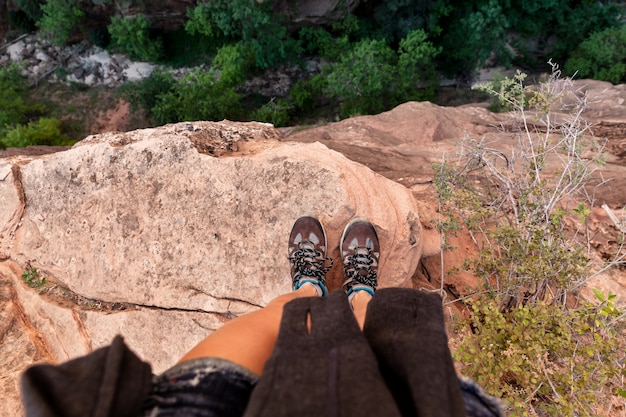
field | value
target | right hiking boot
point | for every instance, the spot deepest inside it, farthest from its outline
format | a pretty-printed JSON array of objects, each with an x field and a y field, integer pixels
[
  {"x": 307, "y": 254},
  {"x": 360, "y": 252}
]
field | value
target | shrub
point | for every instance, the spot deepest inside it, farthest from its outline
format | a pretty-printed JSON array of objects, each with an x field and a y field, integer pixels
[
  {"x": 132, "y": 36},
  {"x": 417, "y": 74},
  {"x": 542, "y": 358},
  {"x": 307, "y": 94},
  {"x": 14, "y": 87},
  {"x": 197, "y": 96},
  {"x": 45, "y": 131},
  {"x": 363, "y": 77},
  {"x": 276, "y": 111},
  {"x": 20, "y": 21},
  {"x": 475, "y": 32},
  {"x": 234, "y": 62},
  {"x": 32, "y": 8},
  {"x": 248, "y": 21},
  {"x": 145, "y": 93},
  {"x": 527, "y": 342},
  {"x": 60, "y": 18},
  {"x": 602, "y": 56},
  {"x": 32, "y": 278},
  {"x": 319, "y": 41}
]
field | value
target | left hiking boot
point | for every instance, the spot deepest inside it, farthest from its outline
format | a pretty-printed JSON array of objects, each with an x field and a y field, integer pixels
[
  {"x": 307, "y": 254},
  {"x": 360, "y": 252}
]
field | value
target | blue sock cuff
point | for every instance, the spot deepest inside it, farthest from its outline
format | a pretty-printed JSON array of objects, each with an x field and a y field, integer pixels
[
  {"x": 356, "y": 288},
  {"x": 313, "y": 281}
]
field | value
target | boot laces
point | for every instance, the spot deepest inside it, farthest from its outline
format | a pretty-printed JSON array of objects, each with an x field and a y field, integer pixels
[
  {"x": 358, "y": 268},
  {"x": 308, "y": 261}
]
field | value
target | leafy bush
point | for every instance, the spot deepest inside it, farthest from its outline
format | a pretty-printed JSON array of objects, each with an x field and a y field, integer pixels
[
  {"x": 60, "y": 18},
  {"x": 476, "y": 30},
  {"x": 363, "y": 77},
  {"x": 276, "y": 111},
  {"x": 45, "y": 131},
  {"x": 234, "y": 62},
  {"x": 307, "y": 94},
  {"x": 248, "y": 21},
  {"x": 32, "y": 8},
  {"x": 544, "y": 358},
  {"x": 20, "y": 21},
  {"x": 145, "y": 93},
  {"x": 14, "y": 87},
  {"x": 527, "y": 343},
  {"x": 544, "y": 28},
  {"x": 132, "y": 36},
  {"x": 197, "y": 96},
  {"x": 320, "y": 41},
  {"x": 602, "y": 56},
  {"x": 417, "y": 73},
  {"x": 371, "y": 77}
]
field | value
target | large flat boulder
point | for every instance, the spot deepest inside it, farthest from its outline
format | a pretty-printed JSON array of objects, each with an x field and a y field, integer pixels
[{"x": 163, "y": 234}]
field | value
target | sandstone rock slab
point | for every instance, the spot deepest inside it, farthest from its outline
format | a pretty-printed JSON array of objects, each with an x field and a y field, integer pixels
[{"x": 145, "y": 218}]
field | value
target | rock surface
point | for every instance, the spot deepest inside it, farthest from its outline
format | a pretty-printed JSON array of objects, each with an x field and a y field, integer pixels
[{"x": 164, "y": 234}]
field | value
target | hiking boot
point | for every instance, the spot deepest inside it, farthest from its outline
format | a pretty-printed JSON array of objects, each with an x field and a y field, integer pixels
[
  {"x": 307, "y": 254},
  {"x": 360, "y": 252}
]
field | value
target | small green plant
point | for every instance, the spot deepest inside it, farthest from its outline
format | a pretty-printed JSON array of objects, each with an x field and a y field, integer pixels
[
  {"x": 32, "y": 278},
  {"x": 132, "y": 36},
  {"x": 13, "y": 108},
  {"x": 60, "y": 19}
]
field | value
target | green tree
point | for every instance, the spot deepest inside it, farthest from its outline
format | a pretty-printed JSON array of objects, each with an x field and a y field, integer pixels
[
  {"x": 145, "y": 93},
  {"x": 234, "y": 62},
  {"x": 417, "y": 73},
  {"x": 132, "y": 36},
  {"x": 248, "y": 21},
  {"x": 197, "y": 96},
  {"x": 602, "y": 56},
  {"x": 474, "y": 31},
  {"x": 60, "y": 18},
  {"x": 364, "y": 77}
]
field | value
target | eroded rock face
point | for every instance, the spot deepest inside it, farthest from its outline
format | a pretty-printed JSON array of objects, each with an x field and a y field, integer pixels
[{"x": 163, "y": 234}]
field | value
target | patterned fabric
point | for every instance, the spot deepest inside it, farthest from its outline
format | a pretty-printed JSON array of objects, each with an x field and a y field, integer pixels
[{"x": 203, "y": 387}]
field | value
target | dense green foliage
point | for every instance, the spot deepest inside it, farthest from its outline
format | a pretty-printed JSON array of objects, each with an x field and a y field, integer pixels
[
  {"x": 44, "y": 131},
  {"x": 602, "y": 56},
  {"x": 132, "y": 37},
  {"x": 380, "y": 55},
  {"x": 248, "y": 21},
  {"x": 197, "y": 96},
  {"x": 60, "y": 18},
  {"x": 21, "y": 121}
]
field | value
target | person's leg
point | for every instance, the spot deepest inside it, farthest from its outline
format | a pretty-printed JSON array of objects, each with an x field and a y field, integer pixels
[
  {"x": 249, "y": 340},
  {"x": 360, "y": 252}
]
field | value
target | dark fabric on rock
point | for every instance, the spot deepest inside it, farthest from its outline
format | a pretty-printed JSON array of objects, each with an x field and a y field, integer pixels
[
  {"x": 111, "y": 381},
  {"x": 330, "y": 372},
  {"x": 201, "y": 387},
  {"x": 405, "y": 329}
]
